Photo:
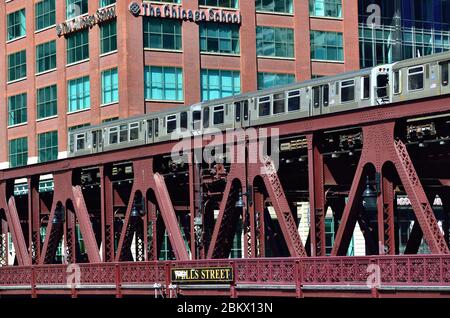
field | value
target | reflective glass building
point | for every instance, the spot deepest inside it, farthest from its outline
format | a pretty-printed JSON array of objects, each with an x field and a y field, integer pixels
[{"x": 406, "y": 29}]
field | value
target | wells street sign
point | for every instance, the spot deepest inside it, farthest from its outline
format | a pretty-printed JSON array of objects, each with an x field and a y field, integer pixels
[{"x": 208, "y": 275}]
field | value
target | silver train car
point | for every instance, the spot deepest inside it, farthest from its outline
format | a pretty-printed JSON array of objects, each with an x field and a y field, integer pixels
[{"x": 405, "y": 80}]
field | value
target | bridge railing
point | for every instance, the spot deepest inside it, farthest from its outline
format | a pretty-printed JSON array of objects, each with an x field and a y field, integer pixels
[{"x": 420, "y": 270}]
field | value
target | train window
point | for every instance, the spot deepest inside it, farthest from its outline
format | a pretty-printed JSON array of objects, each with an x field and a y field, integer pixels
[
  {"x": 316, "y": 96},
  {"x": 95, "y": 135},
  {"x": 156, "y": 127},
  {"x": 382, "y": 85},
  {"x": 206, "y": 117},
  {"x": 150, "y": 128},
  {"x": 196, "y": 118},
  {"x": 415, "y": 78},
  {"x": 347, "y": 91},
  {"x": 71, "y": 143},
  {"x": 218, "y": 115},
  {"x": 326, "y": 95},
  {"x": 113, "y": 135},
  {"x": 123, "y": 134},
  {"x": 264, "y": 106},
  {"x": 80, "y": 141},
  {"x": 366, "y": 87},
  {"x": 134, "y": 131},
  {"x": 237, "y": 111},
  {"x": 246, "y": 110},
  {"x": 278, "y": 103},
  {"x": 397, "y": 82},
  {"x": 171, "y": 123},
  {"x": 293, "y": 101},
  {"x": 183, "y": 120},
  {"x": 444, "y": 74}
]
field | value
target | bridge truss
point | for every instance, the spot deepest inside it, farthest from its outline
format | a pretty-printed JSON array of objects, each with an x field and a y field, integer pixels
[{"x": 117, "y": 215}]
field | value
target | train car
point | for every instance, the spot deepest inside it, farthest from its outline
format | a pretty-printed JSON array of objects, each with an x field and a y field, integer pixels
[
  {"x": 419, "y": 78},
  {"x": 384, "y": 84}
]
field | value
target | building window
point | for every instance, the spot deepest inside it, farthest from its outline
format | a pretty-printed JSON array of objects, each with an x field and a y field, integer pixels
[
  {"x": 219, "y": 38},
  {"x": 72, "y": 128},
  {"x": 18, "y": 152},
  {"x": 75, "y": 8},
  {"x": 108, "y": 37},
  {"x": 16, "y": 24},
  {"x": 79, "y": 95},
  {"x": 110, "y": 86},
  {"x": 266, "y": 80},
  {"x": 325, "y": 8},
  {"x": 220, "y": 83},
  {"x": 17, "y": 109},
  {"x": 162, "y": 34},
  {"x": 163, "y": 83},
  {"x": 45, "y": 13},
  {"x": 48, "y": 146},
  {"x": 281, "y": 6},
  {"x": 104, "y": 3},
  {"x": 219, "y": 3},
  {"x": 327, "y": 46},
  {"x": 17, "y": 65},
  {"x": 277, "y": 42},
  {"x": 46, "y": 56},
  {"x": 108, "y": 120},
  {"x": 47, "y": 101},
  {"x": 77, "y": 47}
]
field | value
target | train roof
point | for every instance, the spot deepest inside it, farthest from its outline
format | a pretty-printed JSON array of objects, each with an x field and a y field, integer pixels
[{"x": 423, "y": 60}]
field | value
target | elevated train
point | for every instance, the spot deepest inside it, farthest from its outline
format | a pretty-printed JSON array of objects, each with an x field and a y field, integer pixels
[{"x": 405, "y": 80}]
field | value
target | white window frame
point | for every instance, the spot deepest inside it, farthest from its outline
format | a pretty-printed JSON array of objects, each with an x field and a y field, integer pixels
[
  {"x": 342, "y": 86},
  {"x": 289, "y": 96},
  {"x": 134, "y": 125},
  {"x": 171, "y": 118},
  {"x": 400, "y": 82},
  {"x": 217, "y": 109},
  {"x": 416, "y": 73},
  {"x": 270, "y": 98},
  {"x": 362, "y": 87},
  {"x": 79, "y": 137},
  {"x": 116, "y": 130}
]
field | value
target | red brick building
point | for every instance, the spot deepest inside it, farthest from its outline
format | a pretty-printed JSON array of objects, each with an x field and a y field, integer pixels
[{"x": 68, "y": 63}]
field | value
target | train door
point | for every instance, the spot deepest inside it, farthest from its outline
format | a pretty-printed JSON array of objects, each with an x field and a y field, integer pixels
[
  {"x": 241, "y": 114},
  {"x": 152, "y": 130},
  {"x": 445, "y": 87},
  {"x": 320, "y": 99},
  {"x": 97, "y": 141},
  {"x": 381, "y": 85}
]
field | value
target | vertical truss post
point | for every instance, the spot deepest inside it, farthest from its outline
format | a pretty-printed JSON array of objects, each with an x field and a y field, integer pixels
[
  {"x": 260, "y": 226},
  {"x": 386, "y": 226},
  {"x": 107, "y": 213},
  {"x": 252, "y": 252},
  {"x": 34, "y": 219},
  {"x": 3, "y": 242},
  {"x": 316, "y": 197},
  {"x": 70, "y": 237},
  {"x": 151, "y": 228}
]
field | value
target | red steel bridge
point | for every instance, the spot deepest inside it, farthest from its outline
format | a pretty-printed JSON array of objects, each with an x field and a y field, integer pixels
[{"x": 109, "y": 213}]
